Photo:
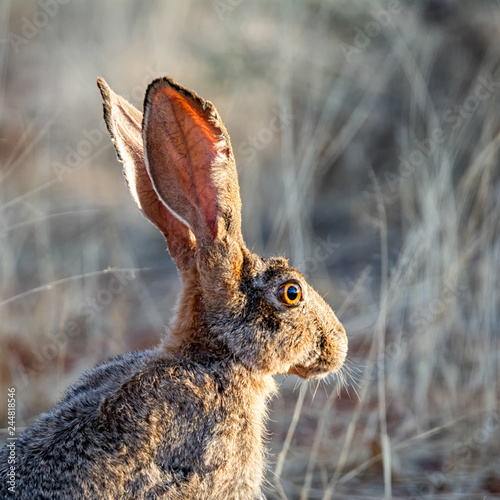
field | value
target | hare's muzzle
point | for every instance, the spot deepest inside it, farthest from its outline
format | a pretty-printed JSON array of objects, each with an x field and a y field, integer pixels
[{"x": 327, "y": 356}]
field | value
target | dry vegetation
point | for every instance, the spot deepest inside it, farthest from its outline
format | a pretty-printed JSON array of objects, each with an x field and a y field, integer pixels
[{"x": 379, "y": 178}]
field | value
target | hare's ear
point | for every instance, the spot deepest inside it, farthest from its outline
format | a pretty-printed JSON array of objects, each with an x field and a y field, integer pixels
[
  {"x": 124, "y": 124},
  {"x": 191, "y": 163}
]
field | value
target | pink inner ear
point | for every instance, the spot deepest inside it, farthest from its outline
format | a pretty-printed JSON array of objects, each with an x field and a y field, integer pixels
[
  {"x": 138, "y": 178},
  {"x": 125, "y": 126},
  {"x": 192, "y": 145}
]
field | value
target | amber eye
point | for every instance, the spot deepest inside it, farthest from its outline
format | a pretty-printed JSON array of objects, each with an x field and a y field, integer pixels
[{"x": 290, "y": 294}]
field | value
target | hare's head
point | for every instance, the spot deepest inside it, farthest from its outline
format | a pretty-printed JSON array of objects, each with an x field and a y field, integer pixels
[{"x": 181, "y": 171}]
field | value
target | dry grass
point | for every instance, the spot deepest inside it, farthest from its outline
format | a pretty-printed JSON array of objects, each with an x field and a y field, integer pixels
[{"x": 382, "y": 184}]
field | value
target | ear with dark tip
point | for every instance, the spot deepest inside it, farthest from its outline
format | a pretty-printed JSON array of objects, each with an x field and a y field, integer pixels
[
  {"x": 190, "y": 162},
  {"x": 124, "y": 123}
]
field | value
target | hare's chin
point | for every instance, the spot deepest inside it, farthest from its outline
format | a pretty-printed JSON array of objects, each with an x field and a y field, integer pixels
[{"x": 310, "y": 373}]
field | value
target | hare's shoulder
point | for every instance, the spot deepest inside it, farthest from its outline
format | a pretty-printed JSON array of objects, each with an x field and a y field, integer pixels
[
  {"x": 136, "y": 394},
  {"x": 168, "y": 389},
  {"x": 181, "y": 418}
]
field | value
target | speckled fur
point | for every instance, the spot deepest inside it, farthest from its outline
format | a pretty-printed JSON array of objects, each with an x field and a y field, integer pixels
[{"x": 185, "y": 420}]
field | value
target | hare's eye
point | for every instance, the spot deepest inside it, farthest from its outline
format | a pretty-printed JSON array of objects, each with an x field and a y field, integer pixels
[{"x": 290, "y": 294}]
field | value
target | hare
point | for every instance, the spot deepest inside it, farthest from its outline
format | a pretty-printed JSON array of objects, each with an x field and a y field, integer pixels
[{"x": 186, "y": 419}]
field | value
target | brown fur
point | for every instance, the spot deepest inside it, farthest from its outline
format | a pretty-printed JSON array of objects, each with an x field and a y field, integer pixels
[{"x": 185, "y": 420}]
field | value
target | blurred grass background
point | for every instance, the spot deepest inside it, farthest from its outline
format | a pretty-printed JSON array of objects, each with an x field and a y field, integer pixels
[{"x": 366, "y": 136}]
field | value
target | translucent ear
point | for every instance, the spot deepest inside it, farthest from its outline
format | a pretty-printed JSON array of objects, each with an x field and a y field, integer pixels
[
  {"x": 190, "y": 162},
  {"x": 124, "y": 123}
]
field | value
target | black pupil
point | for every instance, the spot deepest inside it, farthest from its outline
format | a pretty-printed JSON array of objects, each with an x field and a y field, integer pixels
[{"x": 292, "y": 293}]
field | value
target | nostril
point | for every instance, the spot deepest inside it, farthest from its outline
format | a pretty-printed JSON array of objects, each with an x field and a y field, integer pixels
[
  {"x": 342, "y": 345},
  {"x": 342, "y": 332}
]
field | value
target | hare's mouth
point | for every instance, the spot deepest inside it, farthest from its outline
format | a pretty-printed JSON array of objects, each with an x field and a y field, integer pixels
[
  {"x": 311, "y": 372},
  {"x": 319, "y": 368}
]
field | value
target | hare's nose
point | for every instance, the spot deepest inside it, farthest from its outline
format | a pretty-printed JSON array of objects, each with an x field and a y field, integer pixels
[
  {"x": 338, "y": 330},
  {"x": 340, "y": 344},
  {"x": 342, "y": 333}
]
